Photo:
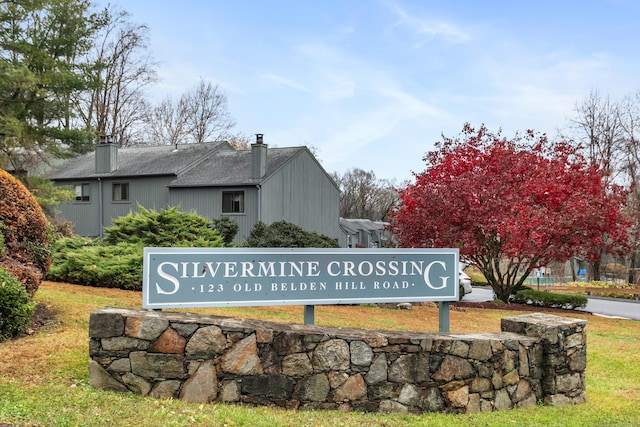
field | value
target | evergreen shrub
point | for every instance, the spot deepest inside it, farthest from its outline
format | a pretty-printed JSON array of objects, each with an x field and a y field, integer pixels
[
  {"x": 227, "y": 227},
  {"x": 16, "y": 307},
  {"x": 166, "y": 228},
  {"x": 283, "y": 234},
  {"x": 116, "y": 260},
  {"x": 91, "y": 263},
  {"x": 549, "y": 299}
]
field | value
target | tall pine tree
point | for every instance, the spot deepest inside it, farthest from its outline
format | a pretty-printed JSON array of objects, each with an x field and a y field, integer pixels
[{"x": 42, "y": 46}]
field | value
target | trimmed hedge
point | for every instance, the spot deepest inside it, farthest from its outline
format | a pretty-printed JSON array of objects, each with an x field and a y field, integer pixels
[
  {"x": 16, "y": 307},
  {"x": 549, "y": 299}
]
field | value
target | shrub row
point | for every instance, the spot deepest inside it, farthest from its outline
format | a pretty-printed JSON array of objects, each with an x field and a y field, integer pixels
[
  {"x": 549, "y": 299},
  {"x": 116, "y": 260}
]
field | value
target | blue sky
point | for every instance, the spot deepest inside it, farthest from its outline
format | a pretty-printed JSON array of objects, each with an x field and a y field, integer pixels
[{"x": 373, "y": 84}]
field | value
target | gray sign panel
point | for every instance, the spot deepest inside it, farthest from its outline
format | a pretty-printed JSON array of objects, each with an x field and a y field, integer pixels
[{"x": 204, "y": 277}]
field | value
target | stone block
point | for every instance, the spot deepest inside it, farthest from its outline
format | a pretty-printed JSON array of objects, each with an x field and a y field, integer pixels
[
  {"x": 361, "y": 353},
  {"x": 392, "y": 407},
  {"x": 268, "y": 386},
  {"x": 165, "y": 389},
  {"x": 454, "y": 368},
  {"x": 410, "y": 395},
  {"x": 288, "y": 343},
  {"x": 296, "y": 365},
  {"x": 100, "y": 378},
  {"x": 124, "y": 344},
  {"x": 120, "y": 365},
  {"x": 206, "y": 342},
  {"x": 157, "y": 365},
  {"x": 106, "y": 324},
  {"x": 332, "y": 355},
  {"x": 136, "y": 384},
  {"x": 354, "y": 388},
  {"x": 314, "y": 388},
  {"x": 202, "y": 386},
  {"x": 403, "y": 369},
  {"x": 480, "y": 350},
  {"x": 242, "y": 358},
  {"x": 146, "y": 328},
  {"x": 169, "y": 342}
]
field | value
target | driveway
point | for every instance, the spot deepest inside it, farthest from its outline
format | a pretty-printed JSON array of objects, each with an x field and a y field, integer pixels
[{"x": 613, "y": 307}]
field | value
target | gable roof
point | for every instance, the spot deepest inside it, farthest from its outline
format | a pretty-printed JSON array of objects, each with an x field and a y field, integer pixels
[
  {"x": 142, "y": 161},
  {"x": 355, "y": 225},
  {"x": 234, "y": 168}
]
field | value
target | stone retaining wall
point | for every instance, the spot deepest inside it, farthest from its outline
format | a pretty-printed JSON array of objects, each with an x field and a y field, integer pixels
[{"x": 537, "y": 358}]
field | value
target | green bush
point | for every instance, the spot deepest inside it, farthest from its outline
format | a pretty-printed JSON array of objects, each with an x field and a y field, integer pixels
[
  {"x": 283, "y": 234},
  {"x": 549, "y": 299},
  {"x": 167, "y": 228},
  {"x": 116, "y": 260},
  {"x": 15, "y": 306},
  {"x": 91, "y": 263},
  {"x": 227, "y": 227}
]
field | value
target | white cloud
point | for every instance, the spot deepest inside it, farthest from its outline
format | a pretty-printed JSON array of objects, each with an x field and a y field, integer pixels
[
  {"x": 429, "y": 28},
  {"x": 284, "y": 81}
]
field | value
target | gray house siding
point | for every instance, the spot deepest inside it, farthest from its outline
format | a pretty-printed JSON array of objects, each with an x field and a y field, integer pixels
[
  {"x": 316, "y": 210},
  {"x": 207, "y": 202},
  {"x": 150, "y": 192},
  {"x": 83, "y": 215}
]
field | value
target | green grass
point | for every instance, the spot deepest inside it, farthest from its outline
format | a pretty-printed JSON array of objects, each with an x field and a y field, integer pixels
[{"x": 44, "y": 378}]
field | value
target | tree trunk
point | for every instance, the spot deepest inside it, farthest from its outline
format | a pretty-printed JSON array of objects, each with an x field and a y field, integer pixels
[
  {"x": 595, "y": 271},
  {"x": 632, "y": 268}
]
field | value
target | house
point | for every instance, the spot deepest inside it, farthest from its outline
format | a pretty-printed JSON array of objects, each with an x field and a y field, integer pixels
[
  {"x": 364, "y": 233},
  {"x": 212, "y": 179}
]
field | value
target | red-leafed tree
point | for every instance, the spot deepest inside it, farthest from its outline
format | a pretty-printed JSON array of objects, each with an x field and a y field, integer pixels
[{"x": 511, "y": 205}]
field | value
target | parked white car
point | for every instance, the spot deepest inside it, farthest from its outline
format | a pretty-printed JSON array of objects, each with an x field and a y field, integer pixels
[{"x": 465, "y": 284}]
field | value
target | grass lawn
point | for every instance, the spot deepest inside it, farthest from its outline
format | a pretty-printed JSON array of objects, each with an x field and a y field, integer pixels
[{"x": 44, "y": 378}]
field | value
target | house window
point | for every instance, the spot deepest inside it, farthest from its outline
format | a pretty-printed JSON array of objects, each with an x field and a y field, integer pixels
[
  {"x": 82, "y": 192},
  {"x": 120, "y": 192},
  {"x": 233, "y": 202}
]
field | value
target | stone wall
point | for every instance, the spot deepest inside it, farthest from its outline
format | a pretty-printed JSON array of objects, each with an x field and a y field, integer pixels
[{"x": 537, "y": 358}]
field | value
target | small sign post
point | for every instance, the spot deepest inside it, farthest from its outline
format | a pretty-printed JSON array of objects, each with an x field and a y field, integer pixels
[
  {"x": 538, "y": 273},
  {"x": 222, "y": 277}
]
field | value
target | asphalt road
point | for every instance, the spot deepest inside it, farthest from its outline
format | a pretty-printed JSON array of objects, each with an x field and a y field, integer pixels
[
  {"x": 612, "y": 307},
  {"x": 609, "y": 307}
]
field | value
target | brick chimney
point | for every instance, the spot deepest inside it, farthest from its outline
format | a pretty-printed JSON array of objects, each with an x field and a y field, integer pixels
[
  {"x": 106, "y": 154},
  {"x": 258, "y": 158}
]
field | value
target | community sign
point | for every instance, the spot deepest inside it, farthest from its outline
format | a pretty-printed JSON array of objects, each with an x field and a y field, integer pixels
[{"x": 219, "y": 277}]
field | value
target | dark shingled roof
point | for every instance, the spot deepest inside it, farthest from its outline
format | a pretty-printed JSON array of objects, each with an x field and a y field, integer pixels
[
  {"x": 233, "y": 168},
  {"x": 142, "y": 161},
  {"x": 193, "y": 165}
]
